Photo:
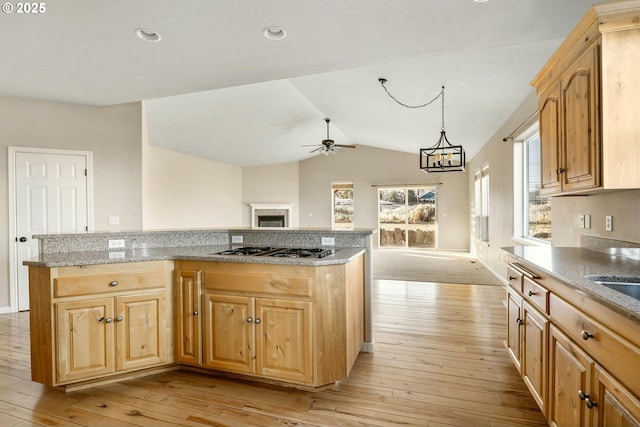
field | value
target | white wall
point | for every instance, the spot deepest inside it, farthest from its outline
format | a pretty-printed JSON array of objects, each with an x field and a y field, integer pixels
[
  {"x": 111, "y": 133},
  {"x": 368, "y": 166},
  {"x": 182, "y": 191},
  {"x": 270, "y": 184}
]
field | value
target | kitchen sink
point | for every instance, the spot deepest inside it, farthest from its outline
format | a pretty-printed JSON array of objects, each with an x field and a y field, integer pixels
[{"x": 628, "y": 285}]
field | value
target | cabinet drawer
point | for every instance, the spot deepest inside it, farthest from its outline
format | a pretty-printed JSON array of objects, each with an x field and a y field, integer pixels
[
  {"x": 258, "y": 283},
  {"x": 514, "y": 277},
  {"x": 106, "y": 283},
  {"x": 613, "y": 352},
  {"x": 536, "y": 294}
]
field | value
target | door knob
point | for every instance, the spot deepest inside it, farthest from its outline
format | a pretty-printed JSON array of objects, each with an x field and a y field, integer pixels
[{"x": 22, "y": 239}]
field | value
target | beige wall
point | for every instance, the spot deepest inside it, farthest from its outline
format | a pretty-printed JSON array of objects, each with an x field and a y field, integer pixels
[
  {"x": 622, "y": 205},
  {"x": 111, "y": 133},
  {"x": 270, "y": 184},
  {"x": 182, "y": 191},
  {"x": 498, "y": 154},
  {"x": 368, "y": 166}
]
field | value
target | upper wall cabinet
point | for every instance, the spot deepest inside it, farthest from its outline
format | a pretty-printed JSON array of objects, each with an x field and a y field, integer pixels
[{"x": 588, "y": 104}]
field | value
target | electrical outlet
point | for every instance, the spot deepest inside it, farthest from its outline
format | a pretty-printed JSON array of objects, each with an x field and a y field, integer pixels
[
  {"x": 114, "y": 220},
  {"x": 608, "y": 223},
  {"x": 328, "y": 241},
  {"x": 116, "y": 255},
  {"x": 116, "y": 243},
  {"x": 587, "y": 221},
  {"x": 581, "y": 220},
  {"x": 237, "y": 239}
]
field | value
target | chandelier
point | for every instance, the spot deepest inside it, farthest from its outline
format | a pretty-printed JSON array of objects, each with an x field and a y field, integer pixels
[{"x": 443, "y": 156}]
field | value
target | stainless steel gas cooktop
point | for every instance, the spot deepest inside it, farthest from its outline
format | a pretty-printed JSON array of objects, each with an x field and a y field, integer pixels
[{"x": 279, "y": 252}]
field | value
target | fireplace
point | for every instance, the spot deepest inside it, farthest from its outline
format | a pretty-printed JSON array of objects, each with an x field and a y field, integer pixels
[
  {"x": 270, "y": 214},
  {"x": 271, "y": 220}
]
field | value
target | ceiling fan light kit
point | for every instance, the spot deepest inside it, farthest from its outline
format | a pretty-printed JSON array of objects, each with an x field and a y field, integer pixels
[
  {"x": 443, "y": 156},
  {"x": 328, "y": 145}
]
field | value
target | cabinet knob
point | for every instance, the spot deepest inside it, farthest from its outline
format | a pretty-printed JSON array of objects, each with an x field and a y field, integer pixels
[
  {"x": 114, "y": 283},
  {"x": 107, "y": 320},
  {"x": 249, "y": 319},
  {"x": 258, "y": 321},
  {"x": 512, "y": 278},
  {"x": 587, "y": 399},
  {"x": 560, "y": 170},
  {"x": 586, "y": 335},
  {"x": 119, "y": 319},
  {"x": 195, "y": 312},
  {"x": 531, "y": 293},
  {"x": 519, "y": 321}
]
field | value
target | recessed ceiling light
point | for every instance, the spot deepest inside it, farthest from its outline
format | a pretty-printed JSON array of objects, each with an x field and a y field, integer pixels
[
  {"x": 480, "y": 1},
  {"x": 274, "y": 33},
  {"x": 148, "y": 35}
]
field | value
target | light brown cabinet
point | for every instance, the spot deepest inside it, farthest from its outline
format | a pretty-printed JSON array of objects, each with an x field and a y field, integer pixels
[
  {"x": 588, "y": 92},
  {"x": 581, "y": 368},
  {"x": 188, "y": 291},
  {"x": 293, "y": 324},
  {"x": 104, "y": 319},
  {"x": 527, "y": 332},
  {"x": 267, "y": 337}
]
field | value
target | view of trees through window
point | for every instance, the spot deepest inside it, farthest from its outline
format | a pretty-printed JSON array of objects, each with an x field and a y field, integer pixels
[
  {"x": 537, "y": 209},
  {"x": 407, "y": 217},
  {"x": 342, "y": 205}
]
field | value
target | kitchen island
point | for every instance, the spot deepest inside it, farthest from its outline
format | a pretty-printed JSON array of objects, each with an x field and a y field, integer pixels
[{"x": 102, "y": 315}]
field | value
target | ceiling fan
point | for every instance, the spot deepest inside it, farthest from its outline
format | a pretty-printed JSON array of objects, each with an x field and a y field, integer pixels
[{"x": 328, "y": 145}]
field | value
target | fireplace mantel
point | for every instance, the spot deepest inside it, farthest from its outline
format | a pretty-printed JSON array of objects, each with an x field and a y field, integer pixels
[{"x": 270, "y": 209}]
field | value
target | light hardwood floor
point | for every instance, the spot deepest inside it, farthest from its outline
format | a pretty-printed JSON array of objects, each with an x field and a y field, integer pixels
[{"x": 439, "y": 361}]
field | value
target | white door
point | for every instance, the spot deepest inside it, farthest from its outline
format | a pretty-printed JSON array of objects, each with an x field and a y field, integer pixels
[{"x": 50, "y": 197}]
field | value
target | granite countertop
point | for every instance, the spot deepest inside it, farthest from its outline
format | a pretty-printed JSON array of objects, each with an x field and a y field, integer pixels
[
  {"x": 196, "y": 253},
  {"x": 570, "y": 266}
]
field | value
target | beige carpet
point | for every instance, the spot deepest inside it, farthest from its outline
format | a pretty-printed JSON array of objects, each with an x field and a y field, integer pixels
[{"x": 421, "y": 265}]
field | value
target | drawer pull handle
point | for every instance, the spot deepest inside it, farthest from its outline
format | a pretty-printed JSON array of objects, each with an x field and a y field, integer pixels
[
  {"x": 531, "y": 293},
  {"x": 119, "y": 319},
  {"x": 249, "y": 319},
  {"x": 587, "y": 399},
  {"x": 195, "y": 312},
  {"x": 520, "y": 322},
  {"x": 512, "y": 278},
  {"x": 258, "y": 321},
  {"x": 113, "y": 284},
  {"x": 586, "y": 335}
]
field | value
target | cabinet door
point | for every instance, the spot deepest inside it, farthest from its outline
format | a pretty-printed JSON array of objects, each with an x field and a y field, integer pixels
[
  {"x": 616, "y": 406},
  {"x": 514, "y": 328},
  {"x": 229, "y": 332},
  {"x": 188, "y": 314},
  {"x": 84, "y": 339},
  {"x": 570, "y": 380},
  {"x": 581, "y": 130},
  {"x": 534, "y": 357},
  {"x": 283, "y": 340},
  {"x": 549, "y": 113},
  {"x": 140, "y": 330}
]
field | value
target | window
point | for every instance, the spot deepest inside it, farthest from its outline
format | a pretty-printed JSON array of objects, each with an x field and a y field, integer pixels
[
  {"x": 532, "y": 210},
  {"x": 481, "y": 207},
  {"x": 342, "y": 200},
  {"x": 407, "y": 217}
]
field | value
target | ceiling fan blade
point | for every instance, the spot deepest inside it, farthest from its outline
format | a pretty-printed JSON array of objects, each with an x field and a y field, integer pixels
[
  {"x": 312, "y": 145},
  {"x": 316, "y": 150},
  {"x": 344, "y": 146}
]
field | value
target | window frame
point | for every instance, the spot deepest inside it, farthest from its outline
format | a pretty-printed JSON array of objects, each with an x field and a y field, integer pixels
[{"x": 521, "y": 187}]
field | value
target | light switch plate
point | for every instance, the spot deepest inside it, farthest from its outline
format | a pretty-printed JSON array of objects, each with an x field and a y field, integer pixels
[
  {"x": 581, "y": 220},
  {"x": 608, "y": 223},
  {"x": 237, "y": 239},
  {"x": 587, "y": 221}
]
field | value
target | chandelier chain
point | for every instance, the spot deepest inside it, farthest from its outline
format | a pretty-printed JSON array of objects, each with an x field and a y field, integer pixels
[{"x": 441, "y": 94}]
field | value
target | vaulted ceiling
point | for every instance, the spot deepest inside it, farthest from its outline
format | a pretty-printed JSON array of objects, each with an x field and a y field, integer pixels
[{"x": 214, "y": 87}]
